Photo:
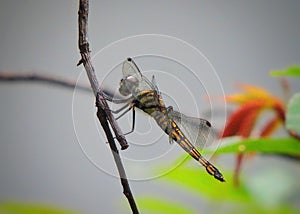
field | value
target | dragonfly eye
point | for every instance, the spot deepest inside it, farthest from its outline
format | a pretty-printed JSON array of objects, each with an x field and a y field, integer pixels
[
  {"x": 128, "y": 85},
  {"x": 132, "y": 80}
]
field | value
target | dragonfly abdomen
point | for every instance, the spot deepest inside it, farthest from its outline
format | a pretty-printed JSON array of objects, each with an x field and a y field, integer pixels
[
  {"x": 151, "y": 103},
  {"x": 173, "y": 131},
  {"x": 171, "y": 128}
]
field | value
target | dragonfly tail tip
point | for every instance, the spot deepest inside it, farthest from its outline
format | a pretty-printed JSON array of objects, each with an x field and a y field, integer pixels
[{"x": 219, "y": 176}]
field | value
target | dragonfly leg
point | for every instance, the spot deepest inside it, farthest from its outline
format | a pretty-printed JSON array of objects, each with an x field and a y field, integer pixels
[
  {"x": 171, "y": 140},
  {"x": 117, "y": 101},
  {"x": 125, "y": 112},
  {"x": 120, "y": 109},
  {"x": 133, "y": 122}
]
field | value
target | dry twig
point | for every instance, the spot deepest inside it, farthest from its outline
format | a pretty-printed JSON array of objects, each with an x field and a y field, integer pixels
[
  {"x": 103, "y": 112},
  {"x": 42, "y": 78}
]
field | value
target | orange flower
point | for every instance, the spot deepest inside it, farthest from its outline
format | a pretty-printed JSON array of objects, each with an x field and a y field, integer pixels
[{"x": 253, "y": 101}]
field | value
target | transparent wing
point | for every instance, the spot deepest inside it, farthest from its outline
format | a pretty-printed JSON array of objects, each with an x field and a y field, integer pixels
[
  {"x": 154, "y": 83},
  {"x": 197, "y": 130},
  {"x": 130, "y": 69}
]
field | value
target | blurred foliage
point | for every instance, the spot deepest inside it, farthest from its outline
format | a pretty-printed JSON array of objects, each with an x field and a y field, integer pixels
[
  {"x": 288, "y": 146},
  {"x": 160, "y": 206},
  {"x": 249, "y": 194},
  {"x": 260, "y": 194},
  {"x": 249, "y": 197},
  {"x": 290, "y": 71},
  {"x": 293, "y": 115},
  {"x": 26, "y": 208}
]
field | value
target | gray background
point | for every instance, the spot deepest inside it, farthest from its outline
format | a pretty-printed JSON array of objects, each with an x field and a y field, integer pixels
[{"x": 40, "y": 159}]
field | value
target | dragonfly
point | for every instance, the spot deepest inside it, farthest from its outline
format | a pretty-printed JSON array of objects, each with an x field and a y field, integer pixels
[{"x": 144, "y": 95}]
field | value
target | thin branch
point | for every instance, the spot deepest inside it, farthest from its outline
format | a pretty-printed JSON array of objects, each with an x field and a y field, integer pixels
[
  {"x": 86, "y": 60},
  {"x": 41, "y": 78},
  {"x": 103, "y": 112},
  {"x": 13, "y": 76},
  {"x": 126, "y": 188}
]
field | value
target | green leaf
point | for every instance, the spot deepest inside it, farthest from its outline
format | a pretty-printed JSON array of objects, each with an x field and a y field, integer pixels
[
  {"x": 293, "y": 114},
  {"x": 257, "y": 209},
  {"x": 248, "y": 198},
  {"x": 290, "y": 71},
  {"x": 200, "y": 182},
  {"x": 24, "y": 208},
  {"x": 157, "y": 206},
  {"x": 288, "y": 146}
]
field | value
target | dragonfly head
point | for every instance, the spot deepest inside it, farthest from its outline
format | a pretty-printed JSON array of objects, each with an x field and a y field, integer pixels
[{"x": 128, "y": 85}]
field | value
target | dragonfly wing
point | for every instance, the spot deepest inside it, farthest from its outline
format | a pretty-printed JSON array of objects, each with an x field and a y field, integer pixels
[
  {"x": 197, "y": 130},
  {"x": 130, "y": 69},
  {"x": 154, "y": 83}
]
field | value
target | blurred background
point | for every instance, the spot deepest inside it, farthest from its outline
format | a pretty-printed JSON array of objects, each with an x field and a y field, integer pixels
[{"x": 41, "y": 161}]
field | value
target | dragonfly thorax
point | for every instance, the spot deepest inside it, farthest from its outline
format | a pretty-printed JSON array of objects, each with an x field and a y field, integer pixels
[{"x": 128, "y": 85}]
